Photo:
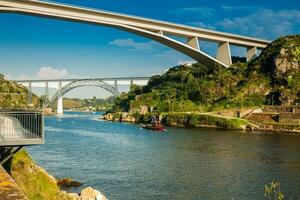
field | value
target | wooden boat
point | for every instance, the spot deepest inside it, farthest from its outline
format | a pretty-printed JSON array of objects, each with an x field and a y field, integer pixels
[{"x": 151, "y": 127}]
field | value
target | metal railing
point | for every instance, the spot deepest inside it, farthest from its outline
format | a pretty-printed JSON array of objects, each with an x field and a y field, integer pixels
[{"x": 21, "y": 128}]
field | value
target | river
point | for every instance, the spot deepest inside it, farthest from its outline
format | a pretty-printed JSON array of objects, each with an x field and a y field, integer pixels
[{"x": 126, "y": 162}]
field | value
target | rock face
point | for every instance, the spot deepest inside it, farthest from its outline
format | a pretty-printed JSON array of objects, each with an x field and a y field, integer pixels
[
  {"x": 121, "y": 117},
  {"x": 91, "y": 194},
  {"x": 285, "y": 66},
  {"x": 280, "y": 61},
  {"x": 281, "y": 58}
]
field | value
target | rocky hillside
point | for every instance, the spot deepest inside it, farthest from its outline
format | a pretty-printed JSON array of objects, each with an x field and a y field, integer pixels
[
  {"x": 14, "y": 96},
  {"x": 280, "y": 62},
  {"x": 37, "y": 184},
  {"x": 271, "y": 79}
]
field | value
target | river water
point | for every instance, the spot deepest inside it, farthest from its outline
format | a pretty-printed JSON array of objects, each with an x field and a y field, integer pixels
[{"x": 126, "y": 162}]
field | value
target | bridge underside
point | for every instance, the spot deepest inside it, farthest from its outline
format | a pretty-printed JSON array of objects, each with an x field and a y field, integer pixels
[{"x": 151, "y": 29}]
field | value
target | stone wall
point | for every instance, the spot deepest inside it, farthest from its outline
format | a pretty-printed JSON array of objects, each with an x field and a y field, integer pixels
[{"x": 289, "y": 118}]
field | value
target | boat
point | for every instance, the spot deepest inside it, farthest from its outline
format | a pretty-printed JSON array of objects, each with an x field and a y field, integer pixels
[{"x": 153, "y": 127}]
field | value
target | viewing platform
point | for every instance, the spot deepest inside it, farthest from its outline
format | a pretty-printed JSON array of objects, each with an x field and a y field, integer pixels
[{"x": 21, "y": 128}]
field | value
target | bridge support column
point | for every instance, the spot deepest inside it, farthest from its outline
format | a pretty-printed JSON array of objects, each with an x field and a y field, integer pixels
[
  {"x": 131, "y": 83},
  {"x": 60, "y": 109},
  {"x": 251, "y": 53},
  {"x": 29, "y": 100},
  {"x": 224, "y": 54},
  {"x": 116, "y": 84},
  {"x": 160, "y": 32},
  {"x": 193, "y": 42},
  {"x": 60, "y": 106},
  {"x": 46, "y": 93}
]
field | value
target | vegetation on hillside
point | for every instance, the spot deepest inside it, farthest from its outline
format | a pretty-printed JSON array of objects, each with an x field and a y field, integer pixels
[
  {"x": 15, "y": 96},
  {"x": 272, "y": 78},
  {"x": 97, "y": 104},
  {"x": 42, "y": 186}
]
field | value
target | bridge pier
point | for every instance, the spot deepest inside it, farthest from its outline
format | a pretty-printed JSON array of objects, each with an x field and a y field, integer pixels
[
  {"x": 159, "y": 32},
  {"x": 60, "y": 106},
  {"x": 29, "y": 97},
  {"x": 224, "y": 53},
  {"x": 251, "y": 53},
  {"x": 193, "y": 42},
  {"x": 131, "y": 83},
  {"x": 60, "y": 109},
  {"x": 46, "y": 93},
  {"x": 116, "y": 84}
]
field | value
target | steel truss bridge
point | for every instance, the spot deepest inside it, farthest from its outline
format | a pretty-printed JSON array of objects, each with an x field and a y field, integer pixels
[{"x": 63, "y": 86}]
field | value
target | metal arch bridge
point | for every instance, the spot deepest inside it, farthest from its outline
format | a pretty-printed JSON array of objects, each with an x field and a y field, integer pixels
[
  {"x": 81, "y": 83},
  {"x": 159, "y": 31},
  {"x": 62, "y": 86}
]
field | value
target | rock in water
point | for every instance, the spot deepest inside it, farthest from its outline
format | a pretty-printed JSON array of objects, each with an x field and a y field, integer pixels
[
  {"x": 67, "y": 182},
  {"x": 91, "y": 194}
]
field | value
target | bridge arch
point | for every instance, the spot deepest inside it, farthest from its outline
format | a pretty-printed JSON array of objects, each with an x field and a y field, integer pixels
[{"x": 82, "y": 83}]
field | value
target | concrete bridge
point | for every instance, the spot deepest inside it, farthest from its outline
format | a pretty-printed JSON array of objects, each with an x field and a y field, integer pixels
[
  {"x": 63, "y": 86},
  {"x": 159, "y": 31}
]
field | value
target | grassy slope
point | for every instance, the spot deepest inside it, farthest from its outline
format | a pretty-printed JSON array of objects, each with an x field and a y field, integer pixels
[
  {"x": 33, "y": 180},
  {"x": 14, "y": 96},
  {"x": 205, "y": 119}
]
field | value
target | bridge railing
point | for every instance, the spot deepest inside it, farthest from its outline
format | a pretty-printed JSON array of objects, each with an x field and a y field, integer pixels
[{"x": 21, "y": 128}]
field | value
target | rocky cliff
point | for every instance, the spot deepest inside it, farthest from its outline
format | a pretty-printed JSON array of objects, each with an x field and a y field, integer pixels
[{"x": 280, "y": 62}]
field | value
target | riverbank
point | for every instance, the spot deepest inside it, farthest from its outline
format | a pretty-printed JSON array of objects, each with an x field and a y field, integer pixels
[
  {"x": 185, "y": 119},
  {"x": 36, "y": 183},
  {"x": 272, "y": 119}
]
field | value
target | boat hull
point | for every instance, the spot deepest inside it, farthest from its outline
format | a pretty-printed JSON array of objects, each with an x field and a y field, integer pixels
[{"x": 150, "y": 127}]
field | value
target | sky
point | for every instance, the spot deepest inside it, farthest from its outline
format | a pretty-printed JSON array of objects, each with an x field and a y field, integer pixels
[{"x": 39, "y": 48}]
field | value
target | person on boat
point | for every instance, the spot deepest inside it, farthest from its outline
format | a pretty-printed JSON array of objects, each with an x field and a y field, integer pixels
[{"x": 158, "y": 124}]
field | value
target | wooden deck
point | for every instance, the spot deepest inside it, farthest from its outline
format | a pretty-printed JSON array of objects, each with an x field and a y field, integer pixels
[{"x": 8, "y": 188}]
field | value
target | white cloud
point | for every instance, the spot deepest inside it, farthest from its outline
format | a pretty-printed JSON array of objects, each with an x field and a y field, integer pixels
[
  {"x": 23, "y": 77},
  {"x": 20, "y": 77},
  {"x": 186, "y": 62},
  {"x": 195, "y": 11},
  {"x": 51, "y": 73},
  {"x": 263, "y": 23},
  {"x": 237, "y": 8},
  {"x": 173, "y": 55},
  {"x": 202, "y": 25},
  {"x": 8, "y": 76},
  {"x": 133, "y": 45}
]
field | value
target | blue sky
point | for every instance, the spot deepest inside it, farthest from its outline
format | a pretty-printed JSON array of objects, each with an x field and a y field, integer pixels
[{"x": 33, "y": 47}]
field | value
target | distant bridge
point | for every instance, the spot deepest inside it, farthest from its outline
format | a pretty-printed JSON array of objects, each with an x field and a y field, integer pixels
[
  {"x": 159, "y": 31},
  {"x": 63, "y": 86}
]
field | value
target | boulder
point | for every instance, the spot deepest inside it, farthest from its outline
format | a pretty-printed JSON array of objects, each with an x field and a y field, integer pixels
[
  {"x": 285, "y": 66},
  {"x": 73, "y": 196},
  {"x": 91, "y": 194},
  {"x": 109, "y": 117}
]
